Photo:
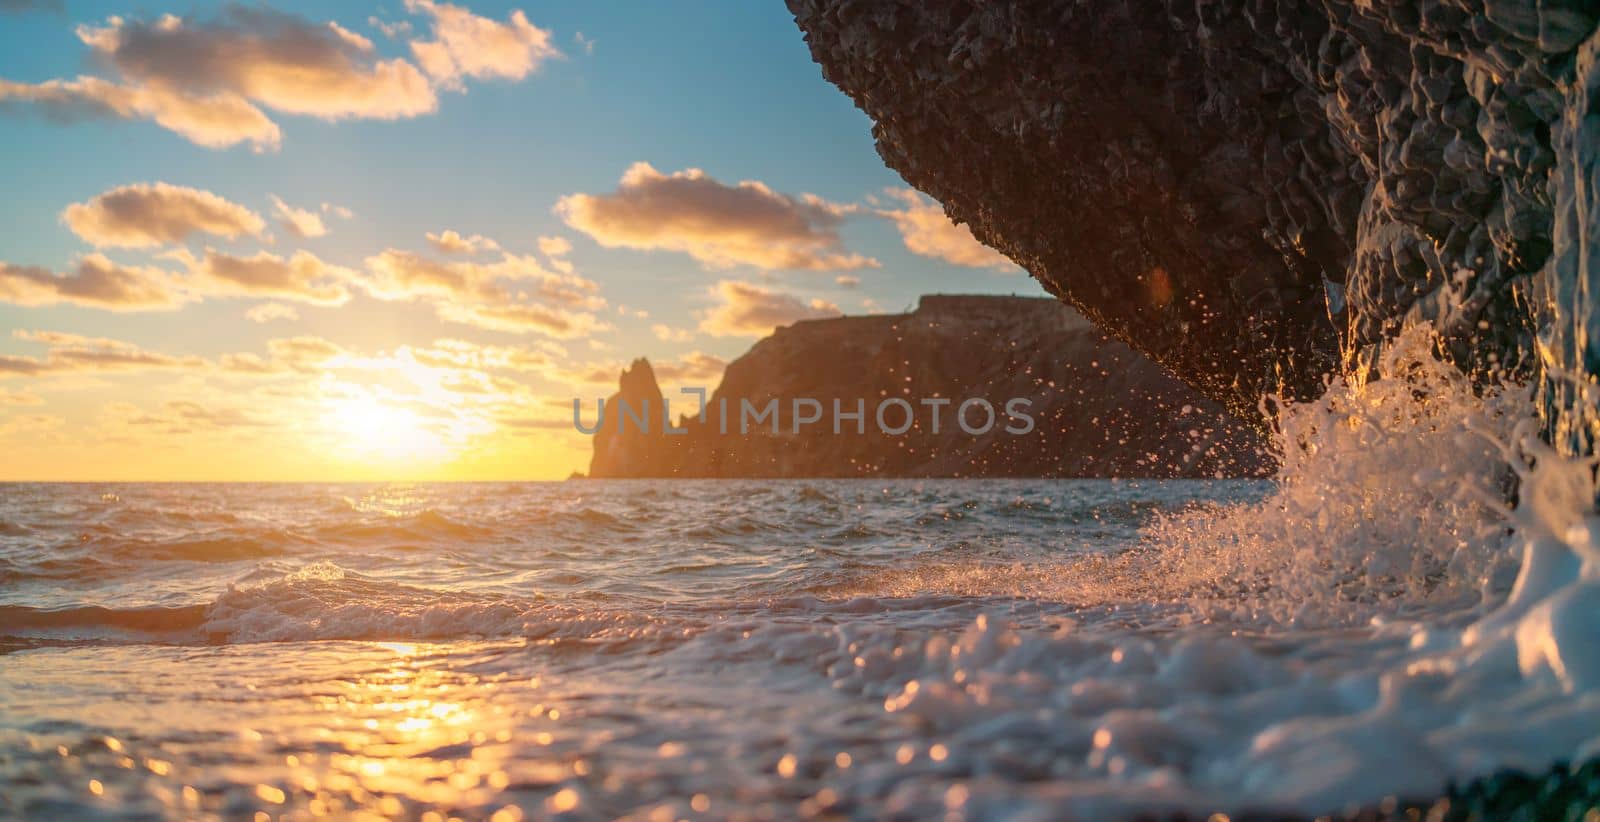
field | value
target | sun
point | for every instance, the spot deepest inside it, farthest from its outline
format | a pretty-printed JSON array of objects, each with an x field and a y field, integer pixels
[{"x": 370, "y": 429}]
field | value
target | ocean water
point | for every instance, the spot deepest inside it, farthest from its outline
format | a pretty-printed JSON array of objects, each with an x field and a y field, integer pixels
[{"x": 1376, "y": 622}]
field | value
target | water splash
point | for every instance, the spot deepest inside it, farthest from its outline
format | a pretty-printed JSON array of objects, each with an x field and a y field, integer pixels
[{"x": 1388, "y": 500}]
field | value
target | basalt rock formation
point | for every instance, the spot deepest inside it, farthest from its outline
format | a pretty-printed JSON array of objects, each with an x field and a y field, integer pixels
[
  {"x": 1098, "y": 408},
  {"x": 1247, "y": 190}
]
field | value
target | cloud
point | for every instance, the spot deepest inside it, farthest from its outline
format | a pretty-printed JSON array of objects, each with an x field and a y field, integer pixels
[
  {"x": 405, "y": 275},
  {"x": 522, "y": 318},
  {"x": 267, "y": 312},
  {"x": 212, "y": 79},
  {"x": 304, "y": 350},
  {"x": 461, "y": 354},
  {"x": 751, "y": 311},
  {"x": 928, "y": 232},
  {"x": 514, "y": 294},
  {"x": 466, "y": 45},
  {"x": 846, "y": 281},
  {"x": 209, "y": 79},
  {"x": 555, "y": 250},
  {"x": 278, "y": 60},
  {"x": 301, "y": 278},
  {"x": 286, "y": 355},
  {"x": 555, "y": 246},
  {"x": 695, "y": 366},
  {"x": 720, "y": 225},
  {"x": 96, "y": 282},
  {"x": 73, "y": 353},
  {"x": 184, "y": 416},
  {"x": 451, "y": 242},
  {"x": 667, "y": 333},
  {"x": 144, "y": 215},
  {"x": 298, "y": 221},
  {"x": 213, "y": 121}
]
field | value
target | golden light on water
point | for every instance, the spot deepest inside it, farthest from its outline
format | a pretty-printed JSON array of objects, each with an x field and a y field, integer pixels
[{"x": 397, "y": 736}]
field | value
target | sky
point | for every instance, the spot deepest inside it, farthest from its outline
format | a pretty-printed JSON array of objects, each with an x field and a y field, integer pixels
[{"x": 393, "y": 240}]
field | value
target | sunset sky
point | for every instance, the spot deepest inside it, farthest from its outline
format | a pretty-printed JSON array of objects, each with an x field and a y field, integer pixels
[{"x": 394, "y": 239}]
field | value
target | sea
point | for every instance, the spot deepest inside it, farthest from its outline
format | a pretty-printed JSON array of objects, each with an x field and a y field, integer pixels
[{"x": 1380, "y": 624}]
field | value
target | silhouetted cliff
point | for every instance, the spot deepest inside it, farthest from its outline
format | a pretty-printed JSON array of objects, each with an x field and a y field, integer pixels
[{"x": 1097, "y": 409}]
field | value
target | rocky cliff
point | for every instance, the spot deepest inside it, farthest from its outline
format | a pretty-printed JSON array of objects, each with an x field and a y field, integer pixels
[
  {"x": 1245, "y": 189},
  {"x": 1098, "y": 409}
]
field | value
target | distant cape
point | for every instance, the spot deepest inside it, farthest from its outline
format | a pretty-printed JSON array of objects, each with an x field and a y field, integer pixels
[{"x": 1096, "y": 408}]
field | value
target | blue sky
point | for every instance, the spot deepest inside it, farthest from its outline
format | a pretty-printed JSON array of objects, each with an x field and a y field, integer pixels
[{"x": 725, "y": 87}]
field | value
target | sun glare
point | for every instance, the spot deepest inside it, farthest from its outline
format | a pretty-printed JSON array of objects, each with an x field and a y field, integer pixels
[{"x": 372, "y": 429}]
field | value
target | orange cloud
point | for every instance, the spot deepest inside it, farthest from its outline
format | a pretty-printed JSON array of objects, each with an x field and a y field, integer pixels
[
  {"x": 96, "y": 282},
  {"x": 285, "y": 355},
  {"x": 211, "y": 80},
  {"x": 302, "y": 277},
  {"x": 450, "y": 241},
  {"x": 68, "y": 353},
  {"x": 667, "y": 333},
  {"x": 523, "y": 318},
  {"x": 466, "y": 45},
  {"x": 73, "y": 353},
  {"x": 267, "y": 312},
  {"x": 555, "y": 251},
  {"x": 299, "y": 222},
  {"x": 461, "y": 354},
  {"x": 555, "y": 246},
  {"x": 185, "y": 416},
  {"x": 751, "y": 311},
  {"x": 720, "y": 225},
  {"x": 402, "y": 275},
  {"x": 514, "y": 294},
  {"x": 928, "y": 232},
  {"x": 213, "y": 121},
  {"x": 277, "y": 60},
  {"x": 144, "y": 215}
]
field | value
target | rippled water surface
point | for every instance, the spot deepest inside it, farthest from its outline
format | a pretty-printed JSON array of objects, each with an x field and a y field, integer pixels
[{"x": 689, "y": 649}]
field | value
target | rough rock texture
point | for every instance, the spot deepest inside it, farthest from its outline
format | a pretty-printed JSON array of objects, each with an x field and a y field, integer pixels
[
  {"x": 1241, "y": 189},
  {"x": 1099, "y": 408}
]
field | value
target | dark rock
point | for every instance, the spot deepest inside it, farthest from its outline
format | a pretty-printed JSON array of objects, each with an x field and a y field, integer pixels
[
  {"x": 620, "y": 449},
  {"x": 1099, "y": 408}
]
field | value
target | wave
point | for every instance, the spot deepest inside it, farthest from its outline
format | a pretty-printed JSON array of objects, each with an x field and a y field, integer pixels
[
  {"x": 152, "y": 619},
  {"x": 420, "y": 525},
  {"x": 325, "y": 602}
]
